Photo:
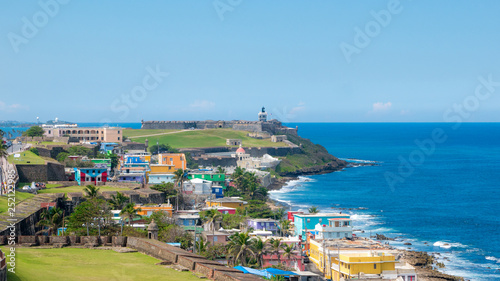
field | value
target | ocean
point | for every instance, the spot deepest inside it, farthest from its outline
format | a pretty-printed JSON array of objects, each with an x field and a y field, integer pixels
[{"x": 435, "y": 186}]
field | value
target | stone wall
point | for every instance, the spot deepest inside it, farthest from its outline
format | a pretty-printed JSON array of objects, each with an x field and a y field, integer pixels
[
  {"x": 41, "y": 173},
  {"x": 215, "y": 161}
]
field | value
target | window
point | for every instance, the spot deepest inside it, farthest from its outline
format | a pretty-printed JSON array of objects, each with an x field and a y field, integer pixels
[
  {"x": 308, "y": 220},
  {"x": 171, "y": 159},
  {"x": 215, "y": 238},
  {"x": 102, "y": 138},
  {"x": 118, "y": 138},
  {"x": 118, "y": 133},
  {"x": 374, "y": 266},
  {"x": 320, "y": 220}
]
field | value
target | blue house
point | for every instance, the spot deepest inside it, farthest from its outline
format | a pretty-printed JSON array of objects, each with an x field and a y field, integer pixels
[
  {"x": 187, "y": 219},
  {"x": 218, "y": 191},
  {"x": 160, "y": 178},
  {"x": 263, "y": 224},
  {"x": 93, "y": 176},
  {"x": 303, "y": 222}
]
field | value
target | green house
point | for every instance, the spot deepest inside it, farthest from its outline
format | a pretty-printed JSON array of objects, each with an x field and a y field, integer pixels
[{"x": 220, "y": 179}]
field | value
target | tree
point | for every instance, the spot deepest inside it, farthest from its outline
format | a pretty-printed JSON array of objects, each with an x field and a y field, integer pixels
[
  {"x": 285, "y": 226},
  {"x": 35, "y": 131},
  {"x": 92, "y": 211},
  {"x": 221, "y": 170},
  {"x": 210, "y": 217},
  {"x": 168, "y": 188},
  {"x": 179, "y": 177},
  {"x": 288, "y": 252},
  {"x": 313, "y": 210},
  {"x": 240, "y": 247},
  {"x": 52, "y": 219},
  {"x": 260, "y": 249},
  {"x": 34, "y": 150},
  {"x": 62, "y": 156},
  {"x": 92, "y": 191},
  {"x": 117, "y": 201},
  {"x": 162, "y": 148},
  {"x": 130, "y": 212},
  {"x": 114, "y": 160},
  {"x": 80, "y": 150},
  {"x": 279, "y": 213},
  {"x": 275, "y": 247}
]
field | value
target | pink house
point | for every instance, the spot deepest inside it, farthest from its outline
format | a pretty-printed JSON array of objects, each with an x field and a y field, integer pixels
[{"x": 291, "y": 213}]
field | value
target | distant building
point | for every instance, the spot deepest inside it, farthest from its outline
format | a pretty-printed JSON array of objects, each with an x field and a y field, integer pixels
[
  {"x": 279, "y": 138},
  {"x": 227, "y": 202},
  {"x": 222, "y": 210},
  {"x": 106, "y": 134},
  {"x": 198, "y": 187},
  {"x": 233, "y": 142},
  {"x": 95, "y": 176},
  {"x": 187, "y": 219},
  {"x": 263, "y": 115},
  {"x": 216, "y": 237}
]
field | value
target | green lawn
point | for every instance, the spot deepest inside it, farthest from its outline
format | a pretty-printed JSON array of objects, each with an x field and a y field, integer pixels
[
  {"x": 87, "y": 264},
  {"x": 143, "y": 132},
  {"x": 78, "y": 189},
  {"x": 20, "y": 196},
  {"x": 45, "y": 143},
  {"x": 206, "y": 138},
  {"x": 25, "y": 157}
]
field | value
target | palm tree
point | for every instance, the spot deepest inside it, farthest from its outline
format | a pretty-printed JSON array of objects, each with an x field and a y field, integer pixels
[
  {"x": 179, "y": 176},
  {"x": 130, "y": 212},
  {"x": 260, "y": 249},
  {"x": 285, "y": 226},
  {"x": 200, "y": 246},
  {"x": 118, "y": 201},
  {"x": 52, "y": 219},
  {"x": 288, "y": 252},
  {"x": 279, "y": 214},
  {"x": 210, "y": 217},
  {"x": 240, "y": 247},
  {"x": 275, "y": 247},
  {"x": 221, "y": 170},
  {"x": 238, "y": 171},
  {"x": 313, "y": 210},
  {"x": 91, "y": 191}
]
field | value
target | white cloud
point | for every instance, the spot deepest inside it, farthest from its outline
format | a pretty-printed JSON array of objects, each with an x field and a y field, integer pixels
[
  {"x": 379, "y": 107},
  {"x": 12, "y": 107},
  {"x": 202, "y": 105}
]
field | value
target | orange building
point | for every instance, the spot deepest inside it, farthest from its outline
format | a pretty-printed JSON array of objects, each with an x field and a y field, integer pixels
[
  {"x": 175, "y": 160},
  {"x": 227, "y": 202},
  {"x": 149, "y": 210}
]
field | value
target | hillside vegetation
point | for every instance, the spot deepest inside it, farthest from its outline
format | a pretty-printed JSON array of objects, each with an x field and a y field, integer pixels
[{"x": 314, "y": 159}]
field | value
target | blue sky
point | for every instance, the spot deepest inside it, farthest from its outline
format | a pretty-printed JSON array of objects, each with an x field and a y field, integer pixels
[{"x": 92, "y": 61}]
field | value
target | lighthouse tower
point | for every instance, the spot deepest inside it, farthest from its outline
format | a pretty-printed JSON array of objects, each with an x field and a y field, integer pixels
[{"x": 263, "y": 115}]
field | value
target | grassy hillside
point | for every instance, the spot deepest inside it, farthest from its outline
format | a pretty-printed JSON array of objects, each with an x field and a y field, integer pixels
[
  {"x": 26, "y": 157},
  {"x": 88, "y": 264},
  {"x": 20, "y": 197},
  {"x": 198, "y": 138},
  {"x": 312, "y": 156}
]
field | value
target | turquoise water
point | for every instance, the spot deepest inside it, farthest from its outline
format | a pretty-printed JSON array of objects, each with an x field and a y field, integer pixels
[{"x": 446, "y": 200}]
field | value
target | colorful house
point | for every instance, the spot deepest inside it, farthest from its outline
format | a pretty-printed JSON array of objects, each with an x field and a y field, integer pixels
[
  {"x": 304, "y": 222},
  {"x": 291, "y": 213},
  {"x": 218, "y": 178},
  {"x": 95, "y": 176},
  {"x": 176, "y": 160},
  {"x": 337, "y": 228},
  {"x": 147, "y": 211},
  {"x": 160, "y": 178},
  {"x": 263, "y": 224},
  {"x": 353, "y": 264},
  {"x": 294, "y": 261},
  {"x": 187, "y": 219},
  {"x": 230, "y": 202}
]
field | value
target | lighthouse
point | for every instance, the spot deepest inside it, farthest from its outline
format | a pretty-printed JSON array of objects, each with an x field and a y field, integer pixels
[{"x": 263, "y": 115}]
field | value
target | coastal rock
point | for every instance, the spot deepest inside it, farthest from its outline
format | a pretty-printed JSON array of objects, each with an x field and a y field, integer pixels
[{"x": 383, "y": 237}]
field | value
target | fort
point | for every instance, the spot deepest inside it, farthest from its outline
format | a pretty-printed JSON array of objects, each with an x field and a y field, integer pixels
[{"x": 273, "y": 126}]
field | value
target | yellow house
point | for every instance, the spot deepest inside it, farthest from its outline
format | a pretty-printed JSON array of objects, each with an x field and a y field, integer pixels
[
  {"x": 353, "y": 264},
  {"x": 176, "y": 160},
  {"x": 227, "y": 202},
  {"x": 352, "y": 261}
]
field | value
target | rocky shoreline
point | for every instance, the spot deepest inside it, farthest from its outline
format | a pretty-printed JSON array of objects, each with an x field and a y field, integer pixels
[{"x": 422, "y": 261}]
